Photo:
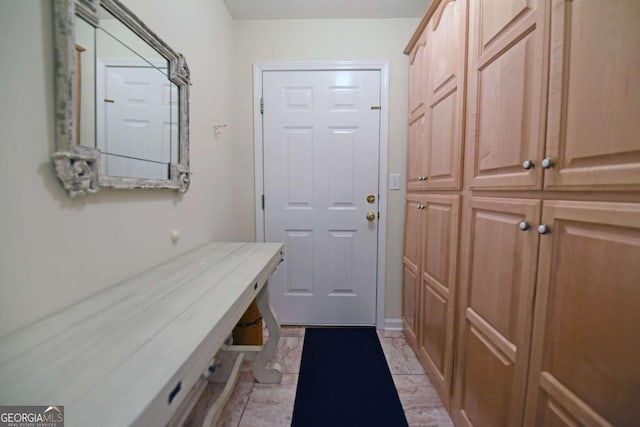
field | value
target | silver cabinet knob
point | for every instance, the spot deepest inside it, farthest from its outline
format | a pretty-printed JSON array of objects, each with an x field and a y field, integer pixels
[
  {"x": 420, "y": 178},
  {"x": 523, "y": 225},
  {"x": 543, "y": 229},
  {"x": 546, "y": 162},
  {"x": 528, "y": 164}
]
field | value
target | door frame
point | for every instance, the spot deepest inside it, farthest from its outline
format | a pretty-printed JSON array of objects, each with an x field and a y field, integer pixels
[{"x": 383, "y": 67}]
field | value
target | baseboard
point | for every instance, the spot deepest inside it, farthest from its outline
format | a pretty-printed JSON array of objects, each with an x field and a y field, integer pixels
[{"x": 393, "y": 325}]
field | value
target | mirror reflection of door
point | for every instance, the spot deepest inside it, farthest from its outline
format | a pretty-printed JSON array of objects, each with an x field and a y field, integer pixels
[{"x": 139, "y": 119}]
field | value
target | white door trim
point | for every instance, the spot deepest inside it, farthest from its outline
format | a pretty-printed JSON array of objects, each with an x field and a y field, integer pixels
[{"x": 383, "y": 67}]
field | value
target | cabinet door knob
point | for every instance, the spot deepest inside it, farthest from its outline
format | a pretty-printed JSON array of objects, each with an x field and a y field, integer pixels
[
  {"x": 546, "y": 162},
  {"x": 528, "y": 164},
  {"x": 523, "y": 225},
  {"x": 543, "y": 229}
]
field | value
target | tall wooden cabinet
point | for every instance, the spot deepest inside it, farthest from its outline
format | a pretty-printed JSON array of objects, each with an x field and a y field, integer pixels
[
  {"x": 584, "y": 361},
  {"x": 523, "y": 289},
  {"x": 434, "y": 164},
  {"x": 439, "y": 250},
  {"x": 506, "y": 94}
]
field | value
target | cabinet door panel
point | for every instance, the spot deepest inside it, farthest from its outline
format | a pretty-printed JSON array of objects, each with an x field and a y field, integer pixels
[
  {"x": 445, "y": 104},
  {"x": 585, "y": 340},
  {"x": 439, "y": 237},
  {"x": 418, "y": 91},
  {"x": 417, "y": 77},
  {"x": 411, "y": 268},
  {"x": 505, "y": 93},
  {"x": 594, "y": 95},
  {"x": 497, "y": 316},
  {"x": 416, "y": 151}
]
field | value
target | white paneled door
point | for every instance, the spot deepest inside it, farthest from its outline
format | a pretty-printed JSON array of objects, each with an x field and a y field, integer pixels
[
  {"x": 139, "y": 112},
  {"x": 321, "y": 163}
]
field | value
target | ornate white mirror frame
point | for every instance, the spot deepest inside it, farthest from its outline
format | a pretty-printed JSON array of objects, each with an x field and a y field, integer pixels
[{"x": 77, "y": 166}]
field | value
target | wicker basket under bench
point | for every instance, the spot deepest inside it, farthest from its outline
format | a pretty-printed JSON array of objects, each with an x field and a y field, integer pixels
[{"x": 130, "y": 355}]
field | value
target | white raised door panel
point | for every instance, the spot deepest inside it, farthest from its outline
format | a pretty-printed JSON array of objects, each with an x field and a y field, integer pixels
[
  {"x": 138, "y": 131},
  {"x": 321, "y": 148}
]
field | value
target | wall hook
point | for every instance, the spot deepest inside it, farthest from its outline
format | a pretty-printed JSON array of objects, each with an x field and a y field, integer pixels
[{"x": 216, "y": 128}]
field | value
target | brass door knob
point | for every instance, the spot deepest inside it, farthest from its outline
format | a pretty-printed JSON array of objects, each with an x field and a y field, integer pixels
[
  {"x": 371, "y": 198},
  {"x": 371, "y": 216}
]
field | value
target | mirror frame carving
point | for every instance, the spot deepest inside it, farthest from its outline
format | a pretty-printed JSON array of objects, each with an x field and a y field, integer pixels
[{"x": 77, "y": 166}]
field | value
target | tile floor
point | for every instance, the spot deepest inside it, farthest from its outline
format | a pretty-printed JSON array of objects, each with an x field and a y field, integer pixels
[{"x": 258, "y": 405}]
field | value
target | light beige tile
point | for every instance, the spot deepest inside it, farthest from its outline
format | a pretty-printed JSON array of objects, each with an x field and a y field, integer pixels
[
  {"x": 292, "y": 331},
  {"x": 232, "y": 411},
  {"x": 435, "y": 417},
  {"x": 400, "y": 357},
  {"x": 271, "y": 405},
  {"x": 390, "y": 334},
  {"x": 287, "y": 331},
  {"x": 290, "y": 353},
  {"x": 420, "y": 401}
]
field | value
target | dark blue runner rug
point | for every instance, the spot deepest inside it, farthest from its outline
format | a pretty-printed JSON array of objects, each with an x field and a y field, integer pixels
[{"x": 345, "y": 381}]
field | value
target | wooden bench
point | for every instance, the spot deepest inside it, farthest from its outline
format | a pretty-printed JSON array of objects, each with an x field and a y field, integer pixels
[{"x": 131, "y": 354}]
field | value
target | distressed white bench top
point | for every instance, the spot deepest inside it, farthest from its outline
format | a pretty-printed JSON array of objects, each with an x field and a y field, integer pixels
[{"x": 123, "y": 351}]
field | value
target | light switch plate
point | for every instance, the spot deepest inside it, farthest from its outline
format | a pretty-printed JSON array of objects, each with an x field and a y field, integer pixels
[{"x": 394, "y": 181}]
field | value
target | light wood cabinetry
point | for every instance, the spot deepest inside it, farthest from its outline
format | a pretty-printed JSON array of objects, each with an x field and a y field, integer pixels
[
  {"x": 496, "y": 323},
  {"x": 445, "y": 96},
  {"x": 584, "y": 360},
  {"x": 437, "y": 292},
  {"x": 594, "y": 95},
  {"x": 430, "y": 257},
  {"x": 434, "y": 163},
  {"x": 522, "y": 251},
  {"x": 411, "y": 268},
  {"x": 436, "y": 100},
  {"x": 416, "y": 144},
  {"x": 593, "y": 99},
  {"x": 506, "y": 93}
]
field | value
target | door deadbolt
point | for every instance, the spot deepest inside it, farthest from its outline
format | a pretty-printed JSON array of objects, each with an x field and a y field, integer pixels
[{"x": 371, "y": 198}]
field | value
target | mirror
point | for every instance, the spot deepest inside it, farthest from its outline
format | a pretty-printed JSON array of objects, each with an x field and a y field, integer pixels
[{"x": 122, "y": 101}]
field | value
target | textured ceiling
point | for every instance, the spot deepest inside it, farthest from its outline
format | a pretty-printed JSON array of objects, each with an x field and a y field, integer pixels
[{"x": 324, "y": 9}]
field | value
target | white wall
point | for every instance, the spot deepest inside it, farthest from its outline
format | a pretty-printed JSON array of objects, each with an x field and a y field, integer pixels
[
  {"x": 55, "y": 250},
  {"x": 320, "y": 40}
]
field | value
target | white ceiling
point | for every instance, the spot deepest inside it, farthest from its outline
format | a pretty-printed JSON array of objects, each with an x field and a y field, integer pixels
[{"x": 324, "y": 9}]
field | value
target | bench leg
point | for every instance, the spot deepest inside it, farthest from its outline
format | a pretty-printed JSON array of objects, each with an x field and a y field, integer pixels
[{"x": 265, "y": 369}]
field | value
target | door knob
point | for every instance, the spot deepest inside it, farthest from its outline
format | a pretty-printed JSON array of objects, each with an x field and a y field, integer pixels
[
  {"x": 543, "y": 229},
  {"x": 371, "y": 216},
  {"x": 527, "y": 164},
  {"x": 371, "y": 198},
  {"x": 546, "y": 163},
  {"x": 523, "y": 225}
]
